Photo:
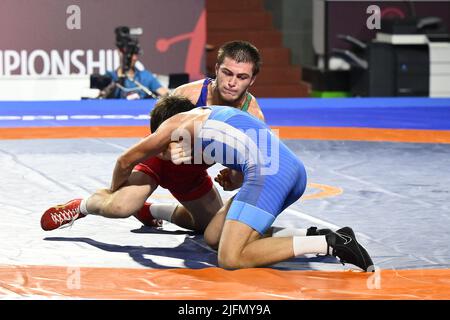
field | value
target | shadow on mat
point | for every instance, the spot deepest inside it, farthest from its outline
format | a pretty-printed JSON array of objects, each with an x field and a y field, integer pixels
[
  {"x": 194, "y": 251},
  {"x": 299, "y": 263},
  {"x": 152, "y": 230},
  {"x": 194, "y": 254}
]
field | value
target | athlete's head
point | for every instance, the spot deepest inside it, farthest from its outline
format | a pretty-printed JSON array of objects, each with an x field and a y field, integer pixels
[
  {"x": 238, "y": 63},
  {"x": 167, "y": 107}
]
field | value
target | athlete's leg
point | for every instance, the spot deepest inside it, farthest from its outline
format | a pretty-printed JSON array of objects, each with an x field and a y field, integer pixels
[
  {"x": 214, "y": 229},
  {"x": 243, "y": 247},
  {"x": 197, "y": 214},
  {"x": 124, "y": 202},
  {"x": 242, "y": 243},
  {"x": 120, "y": 204}
]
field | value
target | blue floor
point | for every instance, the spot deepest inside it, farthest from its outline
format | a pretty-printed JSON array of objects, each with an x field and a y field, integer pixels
[{"x": 400, "y": 113}]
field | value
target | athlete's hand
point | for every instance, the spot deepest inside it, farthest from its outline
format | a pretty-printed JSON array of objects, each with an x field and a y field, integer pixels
[
  {"x": 165, "y": 155},
  {"x": 229, "y": 179},
  {"x": 178, "y": 153}
]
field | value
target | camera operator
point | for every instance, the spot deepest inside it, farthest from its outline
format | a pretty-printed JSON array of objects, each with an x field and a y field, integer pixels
[{"x": 129, "y": 82}]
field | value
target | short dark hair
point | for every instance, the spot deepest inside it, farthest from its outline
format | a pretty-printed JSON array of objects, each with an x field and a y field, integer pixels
[
  {"x": 240, "y": 51},
  {"x": 167, "y": 107}
]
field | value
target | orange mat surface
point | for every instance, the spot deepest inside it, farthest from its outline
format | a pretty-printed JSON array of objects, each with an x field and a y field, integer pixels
[
  {"x": 319, "y": 133},
  {"x": 216, "y": 283}
]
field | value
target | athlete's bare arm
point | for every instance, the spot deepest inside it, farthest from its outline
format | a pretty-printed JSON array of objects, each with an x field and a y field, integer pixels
[
  {"x": 255, "y": 110},
  {"x": 171, "y": 130},
  {"x": 150, "y": 146},
  {"x": 190, "y": 90}
]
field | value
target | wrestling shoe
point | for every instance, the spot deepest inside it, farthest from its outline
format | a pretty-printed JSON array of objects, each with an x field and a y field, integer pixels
[
  {"x": 61, "y": 216},
  {"x": 344, "y": 246},
  {"x": 144, "y": 216},
  {"x": 313, "y": 231}
]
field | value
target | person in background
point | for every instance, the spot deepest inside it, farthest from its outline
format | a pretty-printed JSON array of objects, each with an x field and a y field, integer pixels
[{"x": 129, "y": 81}]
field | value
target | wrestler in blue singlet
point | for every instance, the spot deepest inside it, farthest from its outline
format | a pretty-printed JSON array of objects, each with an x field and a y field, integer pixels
[
  {"x": 274, "y": 177},
  {"x": 203, "y": 93},
  {"x": 203, "y": 98}
]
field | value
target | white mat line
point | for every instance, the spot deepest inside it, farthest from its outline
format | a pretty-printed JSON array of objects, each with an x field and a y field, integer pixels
[
  {"x": 382, "y": 190},
  {"x": 112, "y": 144}
]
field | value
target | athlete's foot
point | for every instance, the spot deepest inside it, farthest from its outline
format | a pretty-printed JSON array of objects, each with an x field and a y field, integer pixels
[
  {"x": 61, "y": 216},
  {"x": 144, "y": 216},
  {"x": 344, "y": 246}
]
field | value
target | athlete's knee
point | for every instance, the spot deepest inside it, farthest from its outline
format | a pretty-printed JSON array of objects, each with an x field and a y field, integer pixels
[
  {"x": 229, "y": 260},
  {"x": 232, "y": 256}
]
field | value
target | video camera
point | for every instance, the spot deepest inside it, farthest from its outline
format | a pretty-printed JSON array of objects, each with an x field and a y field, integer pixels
[{"x": 128, "y": 44}]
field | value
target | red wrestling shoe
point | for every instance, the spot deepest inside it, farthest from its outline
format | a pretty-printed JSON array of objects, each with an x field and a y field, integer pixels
[
  {"x": 61, "y": 216},
  {"x": 144, "y": 216}
]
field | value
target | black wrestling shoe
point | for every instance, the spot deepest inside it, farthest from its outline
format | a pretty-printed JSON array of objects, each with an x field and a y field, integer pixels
[
  {"x": 313, "y": 231},
  {"x": 348, "y": 250}
]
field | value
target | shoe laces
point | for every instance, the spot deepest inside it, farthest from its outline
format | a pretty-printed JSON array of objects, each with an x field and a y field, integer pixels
[{"x": 65, "y": 215}]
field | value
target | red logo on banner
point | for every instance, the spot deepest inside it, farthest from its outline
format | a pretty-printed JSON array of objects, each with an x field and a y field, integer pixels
[
  {"x": 392, "y": 12},
  {"x": 196, "y": 47}
]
